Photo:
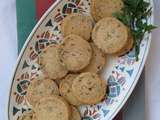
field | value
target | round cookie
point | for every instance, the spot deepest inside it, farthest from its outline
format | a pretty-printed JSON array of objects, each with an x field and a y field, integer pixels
[
  {"x": 51, "y": 64},
  {"x": 77, "y": 24},
  {"x": 75, "y": 114},
  {"x": 53, "y": 108},
  {"x": 65, "y": 89},
  {"x": 41, "y": 88},
  {"x": 110, "y": 35},
  {"x": 88, "y": 88},
  {"x": 127, "y": 47},
  {"x": 27, "y": 116},
  {"x": 97, "y": 62},
  {"x": 58, "y": 81},
  {"x": 75, "y": 53},
  {"x": 105, "y": 8}
]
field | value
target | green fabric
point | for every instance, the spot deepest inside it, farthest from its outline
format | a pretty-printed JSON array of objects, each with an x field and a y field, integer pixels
[{"x": 26, "y": 20}]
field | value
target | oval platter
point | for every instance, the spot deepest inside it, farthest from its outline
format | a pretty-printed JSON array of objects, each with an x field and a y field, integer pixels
[{"x": 121, "y": 73}]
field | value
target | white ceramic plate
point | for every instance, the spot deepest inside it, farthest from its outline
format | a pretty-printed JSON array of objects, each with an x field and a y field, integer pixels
[{"x": 122, "y": 73}]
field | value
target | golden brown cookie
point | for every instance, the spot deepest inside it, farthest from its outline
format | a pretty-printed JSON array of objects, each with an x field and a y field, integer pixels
[
  {"x": 105, "y": 8},
  {"x": 77, "y": 24},
  {"x": 58, "y": 81},
  {"x": 51, "y": 64},
  {"x": 39, "y": 89},
  {"x": 97, "y": 62},
  {"x": 75, "y": 53},
  {"x": 65, "y": 89},
  {"x": 75, "y": 114},
  {"x": 127, "y": 47},
  {"x": 110, "y": 35},
  {"x": 88, "y": 88},
  {"x": 53, "y": 108}
]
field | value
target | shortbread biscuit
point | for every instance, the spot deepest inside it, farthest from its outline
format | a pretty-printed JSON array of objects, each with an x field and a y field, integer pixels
[
  {"x": 88, "y": 88},
  {"x": 75, "y": 114},
  {"x": 77, "y": 24},
  {"x": 53, "y": 108},
  {"x": 65, "y": 89},
  {"x": 75, "y": 53},
  {"x": 127, "y": 47},
  {"x": 110, "y": 35},
  {"x": 97, "y": 62},
  {"x": 105, "y": 8},
  {"x": 39, "y": 89},
  {"x": 51, "y": 64}
]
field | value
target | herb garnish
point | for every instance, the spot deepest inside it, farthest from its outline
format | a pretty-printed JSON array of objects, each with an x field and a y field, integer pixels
[{"x": 135, "y": 15}]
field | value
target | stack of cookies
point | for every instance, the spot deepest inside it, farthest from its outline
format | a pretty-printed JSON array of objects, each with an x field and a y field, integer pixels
[
  {"x": 72, "y": 69},
  {"x": 109, "y": 34}
]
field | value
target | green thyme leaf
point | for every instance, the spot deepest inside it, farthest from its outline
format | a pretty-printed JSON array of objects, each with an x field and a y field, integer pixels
[
  {"x": 135, "y": 15},
  {"x": 149, "y": 28}
]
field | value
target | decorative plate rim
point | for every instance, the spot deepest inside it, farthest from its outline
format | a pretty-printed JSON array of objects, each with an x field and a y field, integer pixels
[
  {"x": 140, "y": 69},
  {"x": 29, "y": 39}
]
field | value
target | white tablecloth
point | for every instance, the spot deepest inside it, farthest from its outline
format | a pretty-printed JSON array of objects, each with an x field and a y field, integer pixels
[
  {"x": 152, "y": 86},
  {"x": 8, "y": 55},
  {"x": 8, "y": 49}
]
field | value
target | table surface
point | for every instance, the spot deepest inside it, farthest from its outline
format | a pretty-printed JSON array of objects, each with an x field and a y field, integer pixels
[{"x": 8, "y": 53}]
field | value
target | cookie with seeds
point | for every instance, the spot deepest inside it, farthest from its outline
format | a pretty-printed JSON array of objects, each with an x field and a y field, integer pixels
[
  {"x": 53, "y": 108},
  {"x": 110, "y": 35},
  {"x": 51, "y": 64},
  {"x": 39, "y": 89},
  {"x": 58, "y": 81},
  {"x": 65, "y": 89},
  {"x": 88, "y": 88},
  {"x": 75, "y": 113},
  {"x": 97, "y": 62},
  {"x": 105, "y": 8},
  {"x": 75, "y": 53},
  {"x": 127, "y": 47},
  {"x": 77, "y": 24}
]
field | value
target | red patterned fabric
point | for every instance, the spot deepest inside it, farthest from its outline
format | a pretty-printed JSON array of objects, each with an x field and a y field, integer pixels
[{"x": 42, "y": 6}]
